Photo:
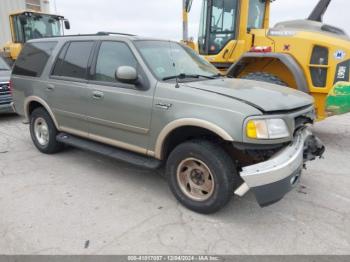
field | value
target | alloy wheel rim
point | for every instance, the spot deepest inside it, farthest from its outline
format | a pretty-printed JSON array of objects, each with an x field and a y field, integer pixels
[
  {"x": 195, "y": 179},
  {"x": 41, "y": 131}
]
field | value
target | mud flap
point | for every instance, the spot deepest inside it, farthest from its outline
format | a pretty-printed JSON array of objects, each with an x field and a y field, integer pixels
[{"x": 338, "y": 99}]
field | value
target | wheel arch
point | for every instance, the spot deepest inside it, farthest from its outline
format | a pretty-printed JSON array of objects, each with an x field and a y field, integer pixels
[
  {"x": 33, "y": 102},
  {"x": 287, "y": 60},
  {"x": 170, "y": 129}
]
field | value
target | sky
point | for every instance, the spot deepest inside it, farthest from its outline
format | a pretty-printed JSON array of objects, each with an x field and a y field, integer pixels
[{"x": 162, "y": 18}]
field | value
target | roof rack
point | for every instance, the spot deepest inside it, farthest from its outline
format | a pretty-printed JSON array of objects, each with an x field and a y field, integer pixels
[
  {"x": 97, "y": 34},
  {"x": 113, "y": 33}
]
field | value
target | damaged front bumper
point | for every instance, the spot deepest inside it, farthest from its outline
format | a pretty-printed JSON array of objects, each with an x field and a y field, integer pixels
[{"x": 270, "y": 181}]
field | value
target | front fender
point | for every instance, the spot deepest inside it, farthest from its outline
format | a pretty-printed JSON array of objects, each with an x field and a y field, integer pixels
[{"x": 286, "y": 59}]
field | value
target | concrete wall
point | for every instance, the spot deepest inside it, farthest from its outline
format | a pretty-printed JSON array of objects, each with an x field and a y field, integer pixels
[{"x": 9, "y": 6}]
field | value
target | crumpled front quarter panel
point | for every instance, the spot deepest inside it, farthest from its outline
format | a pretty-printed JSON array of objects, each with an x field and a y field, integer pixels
[{"x": 188, "y": 103}]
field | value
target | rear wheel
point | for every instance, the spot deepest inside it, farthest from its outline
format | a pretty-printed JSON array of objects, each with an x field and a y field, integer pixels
[
  {"x": 265, "y": 77},
  {"x": 201, "y": 176},
  {"x": 43, "y": 132}
]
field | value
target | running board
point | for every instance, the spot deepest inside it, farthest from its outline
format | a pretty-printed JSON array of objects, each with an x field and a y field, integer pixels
[{"x": 109, "y": 151}]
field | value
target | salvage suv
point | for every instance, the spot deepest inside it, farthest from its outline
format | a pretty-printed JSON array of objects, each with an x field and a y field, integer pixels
[
  {"x": 5, "y": 92},
  {"x": 150, "y": 102}
]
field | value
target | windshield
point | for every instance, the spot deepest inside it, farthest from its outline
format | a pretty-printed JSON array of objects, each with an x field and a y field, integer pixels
[
  {"x": 256, "y": 14},
  {"x": 222, "y": 21},
  {"x": 167, "y": 59},
  {"x": 3, "y": 65},
  {"x": 36, "y": 26}
]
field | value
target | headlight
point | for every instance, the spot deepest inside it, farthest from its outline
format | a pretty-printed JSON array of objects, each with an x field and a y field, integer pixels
[{"x": 267, "y": 129}]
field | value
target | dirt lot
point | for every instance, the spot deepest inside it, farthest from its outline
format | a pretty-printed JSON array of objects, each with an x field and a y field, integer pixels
[{"x": 81, "y": 203}]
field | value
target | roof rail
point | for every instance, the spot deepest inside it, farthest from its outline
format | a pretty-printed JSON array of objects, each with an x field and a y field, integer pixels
[{"x": 113, "y": 33}]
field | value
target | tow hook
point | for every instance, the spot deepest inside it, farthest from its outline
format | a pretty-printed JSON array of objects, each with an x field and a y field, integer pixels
[{"x": 313, "y": 148}]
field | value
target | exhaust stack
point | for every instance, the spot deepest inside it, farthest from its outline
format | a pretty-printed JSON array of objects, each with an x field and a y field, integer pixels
[
  {"x": 186, "y": 6},
  {"x": 319, "y": 11}
]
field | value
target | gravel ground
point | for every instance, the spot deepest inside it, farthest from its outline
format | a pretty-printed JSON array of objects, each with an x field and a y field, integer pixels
[{"x": 77, "y": 202}]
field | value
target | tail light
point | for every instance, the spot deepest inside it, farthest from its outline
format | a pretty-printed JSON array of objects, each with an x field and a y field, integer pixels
[{"x": 261, "y": 49}]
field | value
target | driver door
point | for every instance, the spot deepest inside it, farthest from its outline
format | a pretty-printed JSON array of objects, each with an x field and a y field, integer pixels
[{"x": 119, "y": 114}]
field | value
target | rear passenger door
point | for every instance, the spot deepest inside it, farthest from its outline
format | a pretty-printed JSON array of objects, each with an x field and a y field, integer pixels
[
  {"x": 67, "y": 86},
  {"x": 120, "y": 113}
]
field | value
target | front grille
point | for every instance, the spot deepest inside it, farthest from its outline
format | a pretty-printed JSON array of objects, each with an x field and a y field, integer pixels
[{"x": 5, "y": 94}]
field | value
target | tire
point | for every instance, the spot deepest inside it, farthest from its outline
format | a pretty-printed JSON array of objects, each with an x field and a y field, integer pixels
[
  {"x": 265, "y": 77},
  {"x": 222, "y": 171},
  {"x": 43, "y": 132}
]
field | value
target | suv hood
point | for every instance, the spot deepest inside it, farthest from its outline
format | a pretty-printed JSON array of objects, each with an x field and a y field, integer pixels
[
  {"x": 263, "y": 96},
  {"x": 5, "y": 76}
]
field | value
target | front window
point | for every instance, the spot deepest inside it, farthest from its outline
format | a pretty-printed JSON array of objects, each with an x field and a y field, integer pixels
[
  {"x": 256, "y": 14},
  {"x": 111, "y": 56},
  {"x": 167, "y": 59},
  {"x": 222, "y": 17},
  {"x": 36, "y": 26}
]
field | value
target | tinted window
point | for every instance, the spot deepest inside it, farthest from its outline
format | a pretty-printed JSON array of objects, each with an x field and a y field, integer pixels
[
  {"x": 57, "y": 68},
  {"x": 111, "y": 56},
  {"x": 33, "y": 59},
  {"x": 75, "y": 61}
]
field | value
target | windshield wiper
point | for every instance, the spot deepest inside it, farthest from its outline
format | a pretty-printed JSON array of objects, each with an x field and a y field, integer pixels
[{"x": 183, "y": 76}]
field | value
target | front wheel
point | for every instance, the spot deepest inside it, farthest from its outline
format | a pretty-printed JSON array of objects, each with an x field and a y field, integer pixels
[{"x": 201, "y": 176}]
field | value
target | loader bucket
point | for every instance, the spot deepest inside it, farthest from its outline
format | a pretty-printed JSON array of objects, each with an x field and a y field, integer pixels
[{"x": 338, "y": 99}]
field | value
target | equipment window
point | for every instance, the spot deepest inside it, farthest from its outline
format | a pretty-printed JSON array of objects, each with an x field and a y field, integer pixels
[
  {"x": 223, "y": 24},
  {"x": 256, "y": 14}
]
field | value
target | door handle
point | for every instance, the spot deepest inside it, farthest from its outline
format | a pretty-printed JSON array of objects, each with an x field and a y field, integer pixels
[
  {"x": 97, "y": 95},
  {"x": 50, "y": 87}
]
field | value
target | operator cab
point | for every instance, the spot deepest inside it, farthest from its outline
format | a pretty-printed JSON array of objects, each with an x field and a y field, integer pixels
[
  {"x": 32, "y": 25},
  {"x": 220, "y": 21}
]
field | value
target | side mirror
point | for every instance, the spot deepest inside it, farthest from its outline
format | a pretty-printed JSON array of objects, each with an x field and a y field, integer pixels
[
  {"x": 126, "y": 74},
  {"x": 66, "y": 24}
]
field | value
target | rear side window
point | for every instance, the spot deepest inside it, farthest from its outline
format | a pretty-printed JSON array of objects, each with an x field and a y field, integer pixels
[
  {"x": 73, "y": 60},
  {"x": 33, "y": 59},
  {"x": 111, "y": 56}
]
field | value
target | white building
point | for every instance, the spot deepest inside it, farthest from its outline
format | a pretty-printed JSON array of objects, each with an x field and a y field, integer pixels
[{"x": 10, "y": 6}]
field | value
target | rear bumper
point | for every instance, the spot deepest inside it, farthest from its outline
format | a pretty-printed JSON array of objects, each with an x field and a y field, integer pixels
[{"x": 270, "y": 181}]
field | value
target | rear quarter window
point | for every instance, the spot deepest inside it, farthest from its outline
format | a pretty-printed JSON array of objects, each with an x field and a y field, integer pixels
[{"x": 33, "y": 59}]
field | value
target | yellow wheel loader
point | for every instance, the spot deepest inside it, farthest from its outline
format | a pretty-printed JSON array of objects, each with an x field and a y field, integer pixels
[
  {"x": 29, "y": 25},
  {"x": 307, "y": 55}
]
